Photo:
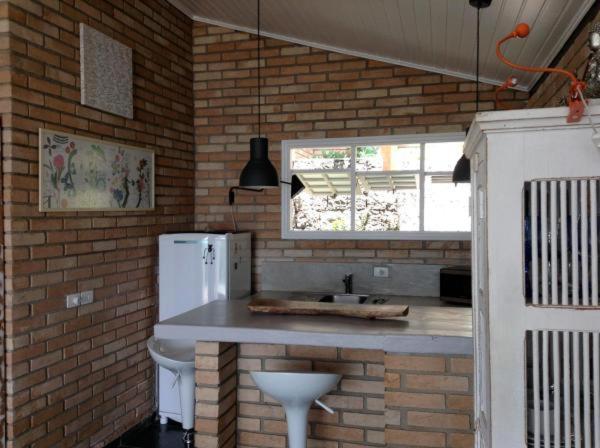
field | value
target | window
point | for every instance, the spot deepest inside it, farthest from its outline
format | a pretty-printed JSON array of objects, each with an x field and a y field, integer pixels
[{"x": 394, "y": 187}]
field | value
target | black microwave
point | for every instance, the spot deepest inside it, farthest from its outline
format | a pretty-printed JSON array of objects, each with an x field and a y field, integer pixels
[{"x": 455, "y": 285}]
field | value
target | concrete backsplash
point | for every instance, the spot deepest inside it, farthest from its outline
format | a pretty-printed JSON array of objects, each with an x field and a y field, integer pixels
[{"x": 403, "y": 279}]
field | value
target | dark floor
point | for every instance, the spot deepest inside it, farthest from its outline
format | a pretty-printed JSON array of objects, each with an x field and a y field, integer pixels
[{"x": 151, "y": 434}]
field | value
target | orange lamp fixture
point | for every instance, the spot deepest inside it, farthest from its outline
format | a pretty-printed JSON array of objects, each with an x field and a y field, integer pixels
[{"x": 575, "y": 99}]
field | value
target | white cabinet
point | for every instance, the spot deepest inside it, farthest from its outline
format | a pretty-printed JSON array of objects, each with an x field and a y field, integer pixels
[{"x": 535, "y": 187}]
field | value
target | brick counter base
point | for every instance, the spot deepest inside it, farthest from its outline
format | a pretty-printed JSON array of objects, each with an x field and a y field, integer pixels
[{"x": 383, "y": 400}]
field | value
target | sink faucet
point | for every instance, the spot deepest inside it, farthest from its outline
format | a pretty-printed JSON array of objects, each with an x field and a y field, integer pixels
[{"x": 348, "y": 283}]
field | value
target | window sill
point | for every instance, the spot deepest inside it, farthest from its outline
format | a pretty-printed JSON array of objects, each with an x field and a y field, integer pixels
[{"x": 418, "y": 236}]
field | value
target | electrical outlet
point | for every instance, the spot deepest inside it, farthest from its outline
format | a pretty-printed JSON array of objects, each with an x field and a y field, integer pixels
[
  {"x": 596, "y": 139},
  {"x": 87, "y": 297},
  {"x": 73, "y": 300},
  {"x": 381, "y": 271}
]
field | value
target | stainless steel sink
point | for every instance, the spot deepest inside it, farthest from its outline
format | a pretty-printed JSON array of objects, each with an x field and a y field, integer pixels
[{"x": 344, "y": 298}]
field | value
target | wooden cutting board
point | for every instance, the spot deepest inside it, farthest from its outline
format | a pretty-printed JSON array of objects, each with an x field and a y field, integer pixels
[{"x": 273, "y": 306}]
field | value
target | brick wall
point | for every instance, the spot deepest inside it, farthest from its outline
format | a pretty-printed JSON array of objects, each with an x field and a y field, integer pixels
[
  {"x": 216, "y": 395},
  {"x": 429, "y": 401},
  {"x": 4, "y": 99},
  {"x": 573, "y": 57},
  {"x": 80, "y": 377},
  {"x": 358, "y": 400},
  {"x": 382, "y": 400},
  {"x": 310, "y": 93}
]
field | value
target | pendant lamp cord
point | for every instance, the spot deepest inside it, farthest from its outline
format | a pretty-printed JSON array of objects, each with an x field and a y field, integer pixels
[
  {"x": 258, "y": 58},
  {"x": 477, "y": 62}
]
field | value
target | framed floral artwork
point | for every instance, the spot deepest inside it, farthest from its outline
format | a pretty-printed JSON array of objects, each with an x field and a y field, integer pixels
[{"x": 78, "y": 173}]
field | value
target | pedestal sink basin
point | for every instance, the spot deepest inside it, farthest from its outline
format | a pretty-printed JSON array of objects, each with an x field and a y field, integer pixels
[{"x": 178, "y": 357}]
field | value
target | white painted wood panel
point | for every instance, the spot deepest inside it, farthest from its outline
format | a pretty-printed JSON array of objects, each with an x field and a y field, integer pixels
[
  {"x": 540, "y": 362},
  {"x": 434, "y": 35}
]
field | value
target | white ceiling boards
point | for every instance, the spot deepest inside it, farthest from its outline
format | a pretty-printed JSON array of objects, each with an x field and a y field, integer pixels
[{"x": 434, "y": 35}]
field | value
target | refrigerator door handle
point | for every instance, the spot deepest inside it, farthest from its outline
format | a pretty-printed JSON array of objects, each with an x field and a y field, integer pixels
[{"x": 211, "y": 253}]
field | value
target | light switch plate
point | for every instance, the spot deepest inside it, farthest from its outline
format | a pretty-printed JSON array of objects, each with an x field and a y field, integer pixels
[
  {"x": 73, "y": 300},
  {"x": 87, "y": 297},
  {"x": 381, "y": 271},
  {"x": 596, "y": 139}
]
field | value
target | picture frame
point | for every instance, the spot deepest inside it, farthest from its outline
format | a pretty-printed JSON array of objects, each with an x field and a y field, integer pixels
[
  {"x": 106, "y": 69},
  {"x": 78, "y": 173}
]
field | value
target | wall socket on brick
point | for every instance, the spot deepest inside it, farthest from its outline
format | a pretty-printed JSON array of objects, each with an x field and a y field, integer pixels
[{"x": 80, "y": 298}]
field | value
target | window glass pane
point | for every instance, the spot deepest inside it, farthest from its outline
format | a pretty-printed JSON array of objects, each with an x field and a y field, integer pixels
[
  {"x": 388, "y": 182},
  {"x": 325, "y": 203},
  {"x": 442, "y": 156},
  {"x": 387, "y": 202},
  {"x": 336, "y": 158},
  {"x": 446, "y": 205},
  {"x": 388, "y": 157}
]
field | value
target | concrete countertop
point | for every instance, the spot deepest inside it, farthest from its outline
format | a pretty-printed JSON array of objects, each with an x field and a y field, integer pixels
[{"x": 430, "y": 327}]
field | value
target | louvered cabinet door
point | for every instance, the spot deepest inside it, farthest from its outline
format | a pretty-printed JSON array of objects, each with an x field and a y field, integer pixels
[{"x": 537, "y": 315}]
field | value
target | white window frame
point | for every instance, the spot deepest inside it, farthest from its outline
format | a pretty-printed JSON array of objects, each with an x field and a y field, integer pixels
[{"x": 353, "y": 142}]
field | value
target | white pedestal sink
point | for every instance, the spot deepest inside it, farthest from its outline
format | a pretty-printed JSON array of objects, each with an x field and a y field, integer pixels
[{"x": 178, "y": 357}]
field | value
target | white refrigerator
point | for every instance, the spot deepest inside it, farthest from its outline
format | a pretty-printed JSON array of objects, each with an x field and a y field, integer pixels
[{"x": 194, "y": 269}]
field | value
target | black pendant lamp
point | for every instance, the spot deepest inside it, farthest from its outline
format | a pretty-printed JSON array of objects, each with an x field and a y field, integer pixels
[
  {"x": 462, "y": 170},
  {"x": 259, "y": 172}
]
